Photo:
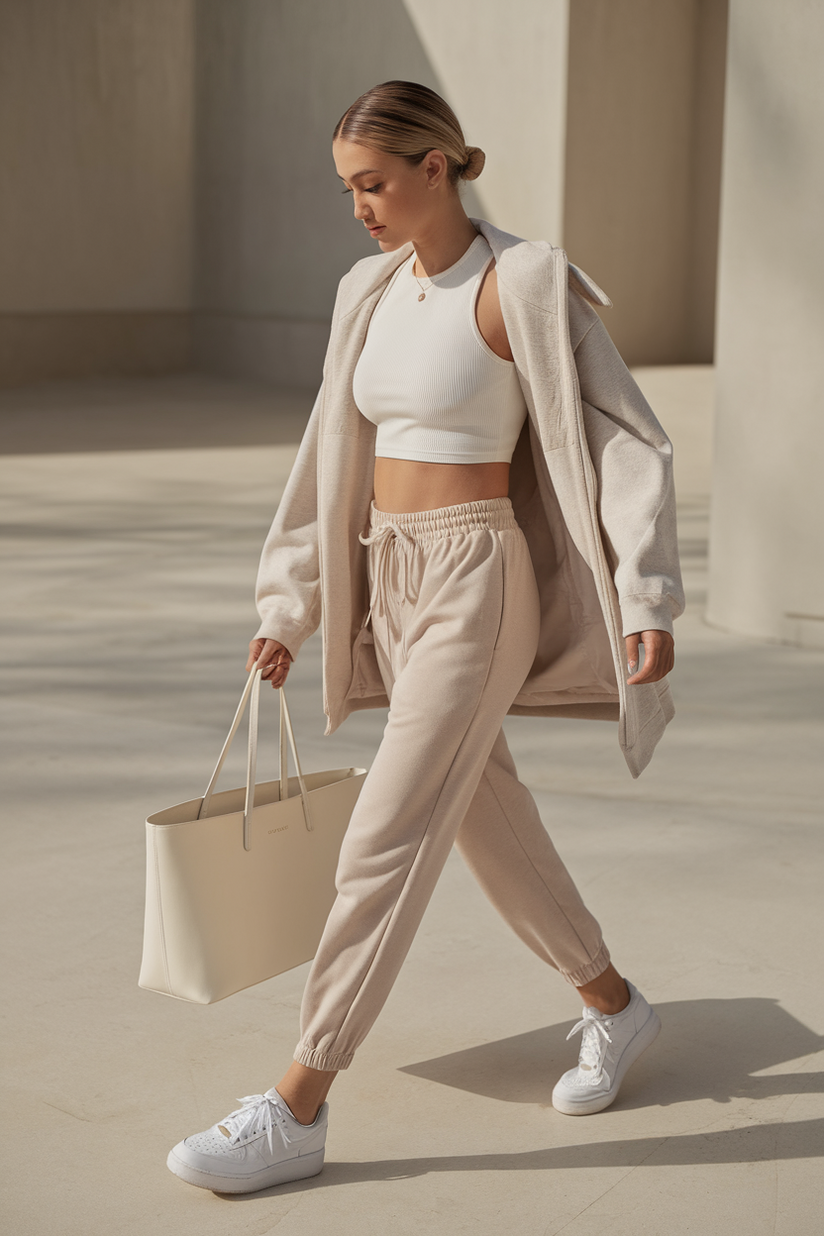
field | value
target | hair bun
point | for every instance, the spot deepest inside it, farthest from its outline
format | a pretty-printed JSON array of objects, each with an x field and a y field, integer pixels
[{"x": 474, "y": 164}]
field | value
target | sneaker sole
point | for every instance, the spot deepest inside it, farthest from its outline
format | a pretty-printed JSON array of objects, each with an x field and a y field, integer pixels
[
  {"x": 280, "y": 1173},
  {"x": 587, "y": 1107}
]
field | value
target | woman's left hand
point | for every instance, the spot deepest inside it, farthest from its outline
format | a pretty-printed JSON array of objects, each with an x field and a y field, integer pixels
[{"x": 659, "y": 656}]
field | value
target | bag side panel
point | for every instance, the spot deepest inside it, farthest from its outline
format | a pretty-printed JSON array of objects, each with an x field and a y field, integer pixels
[{"x": 234, "y": 917}]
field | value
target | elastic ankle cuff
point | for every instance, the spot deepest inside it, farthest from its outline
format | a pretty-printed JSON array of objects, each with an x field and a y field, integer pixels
[
  {"x": 314, "y": 1058},
  {"x": 599, "y": 963}
]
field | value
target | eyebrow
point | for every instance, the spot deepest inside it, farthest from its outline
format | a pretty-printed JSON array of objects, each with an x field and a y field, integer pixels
[{"x": 370, "y": 172}]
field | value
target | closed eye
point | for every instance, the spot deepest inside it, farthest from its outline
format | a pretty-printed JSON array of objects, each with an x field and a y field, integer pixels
[{"x": 371, "y": 189}]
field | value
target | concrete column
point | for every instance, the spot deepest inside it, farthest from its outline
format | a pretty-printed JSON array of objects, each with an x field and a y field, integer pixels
[
  {"x": 766, "y": 560},
  {"x": 643, "y": 159}
]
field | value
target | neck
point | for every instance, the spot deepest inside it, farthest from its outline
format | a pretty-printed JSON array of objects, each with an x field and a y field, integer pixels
[{"x": 441, "y": 245}]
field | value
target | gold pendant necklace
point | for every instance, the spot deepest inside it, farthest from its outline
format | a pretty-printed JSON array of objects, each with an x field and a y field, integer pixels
[{"x": 420, "y": 285}]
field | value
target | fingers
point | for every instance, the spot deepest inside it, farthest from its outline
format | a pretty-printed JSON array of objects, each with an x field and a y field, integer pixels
[
  {"x": 273, "y": 657},
  {"x": 255, "y": 649},
  {"x": 659, "y": 656},
  {"x": 632, "y": 642},
  {"x": 277, "y": 668}
]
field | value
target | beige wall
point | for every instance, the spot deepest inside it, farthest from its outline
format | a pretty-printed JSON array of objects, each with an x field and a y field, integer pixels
[
  {"x": 96, "y": 116},
  {"x": 274, "y": 233},
  {"x": 173, "y": 200},
  {"x": 642, "y": 173},
  {"x": 766, "y": 576}
]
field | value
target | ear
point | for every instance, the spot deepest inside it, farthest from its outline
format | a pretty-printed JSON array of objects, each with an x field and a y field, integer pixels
[{"x": 436, "y": 167}]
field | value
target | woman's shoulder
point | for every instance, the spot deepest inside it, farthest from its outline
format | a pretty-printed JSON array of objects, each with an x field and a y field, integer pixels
[
  {"x": 516, "y": 252},
  {"x": 530, "y": 268},
  {"x": 369, "y": 273}
]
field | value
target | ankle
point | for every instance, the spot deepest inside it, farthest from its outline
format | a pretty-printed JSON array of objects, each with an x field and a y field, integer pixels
[
  {"x": 608, "y": 993},
  {"x": 304, "y": 1090},
  {"x": 612, "y": 1007},
  {"x": 304, "y": 1113}
]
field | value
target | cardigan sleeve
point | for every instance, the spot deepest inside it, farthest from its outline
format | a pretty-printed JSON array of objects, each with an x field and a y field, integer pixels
[
  {"x": 632, "y": 457},
  {"x": 288, "y": 581}
]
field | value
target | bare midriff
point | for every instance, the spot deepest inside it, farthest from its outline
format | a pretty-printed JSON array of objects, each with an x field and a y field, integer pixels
[{"x": 406, "y": 485}]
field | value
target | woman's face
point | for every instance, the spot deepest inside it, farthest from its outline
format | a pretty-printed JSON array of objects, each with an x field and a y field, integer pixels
[{"x": 395, "y": 201}]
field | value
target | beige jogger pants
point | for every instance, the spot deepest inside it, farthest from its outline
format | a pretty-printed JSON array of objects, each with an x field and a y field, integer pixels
[{"x": 454, "y": 612}]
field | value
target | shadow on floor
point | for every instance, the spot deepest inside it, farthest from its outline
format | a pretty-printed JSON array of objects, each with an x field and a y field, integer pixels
[
  {"x": 707, "y": 1049},
  {"x": 802, "y": 1139}
]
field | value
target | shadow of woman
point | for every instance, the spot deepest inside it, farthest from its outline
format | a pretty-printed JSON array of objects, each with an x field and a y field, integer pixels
[
  {"x": 708, "y": 1049},
  {"x": 802, "y": 1139}
]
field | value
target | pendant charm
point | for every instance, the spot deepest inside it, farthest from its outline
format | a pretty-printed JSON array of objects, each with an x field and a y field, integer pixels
[{"x": 422, "y": 296}]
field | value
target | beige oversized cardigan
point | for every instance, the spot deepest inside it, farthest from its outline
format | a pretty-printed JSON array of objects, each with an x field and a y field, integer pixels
[{"x": 591, "y": 485}]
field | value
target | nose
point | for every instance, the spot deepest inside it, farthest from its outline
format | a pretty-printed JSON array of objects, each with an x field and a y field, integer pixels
[{"x": 362, "y": 210}]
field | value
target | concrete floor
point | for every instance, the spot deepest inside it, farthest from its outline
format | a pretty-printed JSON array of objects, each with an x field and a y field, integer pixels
[{"x": 135, "y": 514}]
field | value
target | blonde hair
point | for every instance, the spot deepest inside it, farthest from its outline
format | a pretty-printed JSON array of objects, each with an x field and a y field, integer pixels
[{"x": 409, "y": 120}]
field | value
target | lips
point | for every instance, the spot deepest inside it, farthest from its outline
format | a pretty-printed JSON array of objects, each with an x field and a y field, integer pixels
[{"x": 378, "y": 227}]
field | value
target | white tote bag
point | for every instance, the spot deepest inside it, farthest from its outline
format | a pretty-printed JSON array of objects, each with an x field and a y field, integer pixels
[{"x": 239, "y": 884}]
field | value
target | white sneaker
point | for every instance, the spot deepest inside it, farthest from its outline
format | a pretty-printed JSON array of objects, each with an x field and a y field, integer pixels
[
  {"x": 610, "y": 1045},
  {"x": 259, "y": 1145}
]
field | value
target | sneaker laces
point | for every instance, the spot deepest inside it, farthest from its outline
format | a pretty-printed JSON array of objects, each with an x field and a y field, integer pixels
[
  {"x": 259, "y": 1113},
  {"x": 594, "y": 1048}
]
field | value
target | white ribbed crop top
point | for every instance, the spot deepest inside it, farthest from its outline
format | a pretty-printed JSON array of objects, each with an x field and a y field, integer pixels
[{"x": 427, "y": 378}]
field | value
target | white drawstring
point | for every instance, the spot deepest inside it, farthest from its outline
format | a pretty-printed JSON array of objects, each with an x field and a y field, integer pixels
[
  {"x": 260, "y": 1113},
  {"x": 383, "y": 540},
  {"x": 594, "y": 1050}
]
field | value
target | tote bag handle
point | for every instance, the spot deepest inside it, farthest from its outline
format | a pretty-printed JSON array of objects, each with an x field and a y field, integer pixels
[{"x": 251, "y": 696}]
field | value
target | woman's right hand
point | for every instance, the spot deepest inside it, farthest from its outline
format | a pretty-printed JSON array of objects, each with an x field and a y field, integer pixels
[{"x": 274, "y": 656}]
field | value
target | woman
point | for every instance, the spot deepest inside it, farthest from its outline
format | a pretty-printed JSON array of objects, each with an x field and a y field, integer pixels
[{"x": 463, "y": 386}]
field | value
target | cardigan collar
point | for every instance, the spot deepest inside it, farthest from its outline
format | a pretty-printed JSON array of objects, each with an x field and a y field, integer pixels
[{"x": 523, "y": 265}]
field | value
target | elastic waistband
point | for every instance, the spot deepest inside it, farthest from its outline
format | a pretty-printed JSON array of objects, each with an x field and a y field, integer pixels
[{"x": 490, "y": 514}]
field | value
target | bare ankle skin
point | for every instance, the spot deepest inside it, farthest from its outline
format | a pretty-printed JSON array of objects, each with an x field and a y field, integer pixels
[
  {"x": 304, "y": 1090},
  {"x": 607, "y": 993}
]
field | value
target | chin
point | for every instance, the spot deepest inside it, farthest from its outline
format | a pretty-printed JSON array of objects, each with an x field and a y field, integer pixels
[{"x": 387, "y": 246}]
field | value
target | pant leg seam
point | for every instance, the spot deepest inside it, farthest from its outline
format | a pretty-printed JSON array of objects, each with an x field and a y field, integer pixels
[{"x": 503, "y": 811}]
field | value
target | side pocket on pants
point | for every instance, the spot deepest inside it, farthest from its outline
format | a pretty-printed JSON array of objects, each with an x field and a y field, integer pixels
[
  {"x": 503, "y": 575},
  {"x": 366, "y": 678}
]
